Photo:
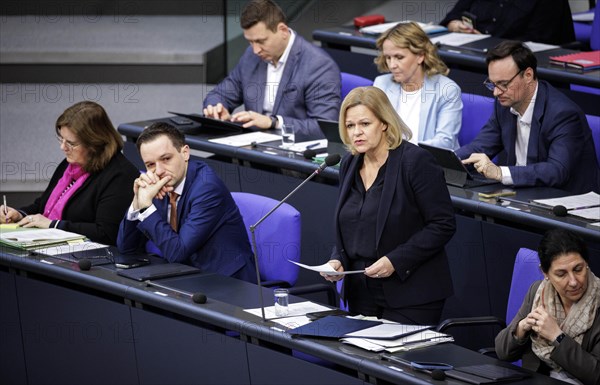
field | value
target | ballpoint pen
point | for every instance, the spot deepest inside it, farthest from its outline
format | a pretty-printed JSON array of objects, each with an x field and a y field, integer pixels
[
  {"x": 312, "y": 145},
  {"x": 5, "y": 209}
]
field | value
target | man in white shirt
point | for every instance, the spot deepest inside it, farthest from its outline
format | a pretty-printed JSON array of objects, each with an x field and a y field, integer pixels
[
  {"x": 280, "y": 79},
  {"x": 543, "y": 137}
]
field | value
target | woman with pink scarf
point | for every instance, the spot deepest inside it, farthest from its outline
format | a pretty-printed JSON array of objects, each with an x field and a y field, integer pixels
[
  {"x": 557, "y": 329},
  {"x": 90, "y": 190}
]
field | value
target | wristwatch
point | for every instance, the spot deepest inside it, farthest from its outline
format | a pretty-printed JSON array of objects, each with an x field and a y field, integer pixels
[
  {"x": 558, "y": 339},
  {"x": 273, "y": 122}
]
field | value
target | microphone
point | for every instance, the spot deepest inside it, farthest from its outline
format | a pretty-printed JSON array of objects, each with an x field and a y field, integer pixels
[
  {"x": 330, "y": 160},
  {"x": 84, "y": 264},
  {"x": 438, "y": 374},
  {"x": 196, "y": 297},
  {"x": 560, "y": 211}
]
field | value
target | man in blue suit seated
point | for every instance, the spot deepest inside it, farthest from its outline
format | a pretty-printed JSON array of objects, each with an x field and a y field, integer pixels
[
  {"x": 544, "y": 135},
  {"x": 184, "y": 209},
  {"x": 280, "y": 79}
]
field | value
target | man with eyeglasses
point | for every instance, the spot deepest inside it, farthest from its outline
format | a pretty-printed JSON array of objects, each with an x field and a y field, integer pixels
[{"x": 541, "y": 136}]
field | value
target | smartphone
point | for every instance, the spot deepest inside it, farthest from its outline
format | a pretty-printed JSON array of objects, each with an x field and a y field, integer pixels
[
  {"x": 430, "y": 365},
  {"x": 320, "y": 314},
  {"x": 129, "y": 263},
  {"x": 180, "y": 120},
  {"x": 497, "y": 193},
  {"x": 469, "y": 19}
]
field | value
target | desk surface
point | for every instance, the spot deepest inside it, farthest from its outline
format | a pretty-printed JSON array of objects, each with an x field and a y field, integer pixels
[
  {"x": 462, "y": 199},
  {"x": 226, "y": 297},
  {"x": 349, "y": 36}
]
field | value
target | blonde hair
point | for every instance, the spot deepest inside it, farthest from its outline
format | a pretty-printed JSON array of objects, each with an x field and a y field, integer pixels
[
  {"x": 377, "y": 101},
  {"x": 412, "y": 37},
  {"x": 94, "y": 130}
]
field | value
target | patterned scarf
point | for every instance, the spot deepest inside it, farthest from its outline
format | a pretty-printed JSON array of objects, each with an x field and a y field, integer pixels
[
  {"x": 72, "y": 179},
  {"x": 575, "y": 324}
]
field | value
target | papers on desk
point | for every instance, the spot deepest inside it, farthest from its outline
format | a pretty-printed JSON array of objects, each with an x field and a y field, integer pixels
[
  {"x": 29, "y": 239},
  {"x": 326, "y": 268},
  {"x": 538, "y": 47},
  {"x": 71, "y": 248},
  {"x": 381, "y": 28},
  {"x": 246, "y": 139},
  {"x": 399, "y": 337},
  {"x": 311, "y": 144},
  {"x": 456, "y": 39},
  {"x": 585, "y": 205},
  {"x": 297, "y": 313}
]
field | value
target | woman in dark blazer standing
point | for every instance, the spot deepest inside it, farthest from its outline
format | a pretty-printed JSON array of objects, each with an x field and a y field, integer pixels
[{"x": 393, "y": 219}]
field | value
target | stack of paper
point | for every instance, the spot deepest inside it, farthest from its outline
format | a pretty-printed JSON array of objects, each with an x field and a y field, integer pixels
[
  {"x": 394, "y": 337},
  {"x": 584, "y": 206},
  {"x": 29, "y": 239},
  {"x": 381, "y": 28},
  {"x": 246, "y": 139}
]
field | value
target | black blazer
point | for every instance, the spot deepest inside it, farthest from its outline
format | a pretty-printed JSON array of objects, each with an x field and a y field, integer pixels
[
  {"x": 97, "y": 207},
  {"x": 415, "y": 220}
]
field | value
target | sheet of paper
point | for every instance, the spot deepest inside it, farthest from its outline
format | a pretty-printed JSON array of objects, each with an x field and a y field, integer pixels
[
  {"x": 538, "y": 47},
  {"x": 326, "y": 268},
  {"x": 39, "y": 235},
  {"x": 381, "y": 28},
  {"x": 72, "y": 248},
  {"x": 297, "y": 313},
  {"x": 246, "y": 139},
  {"x": 592, "y": 213},
  {"x": 388, "y": 330},
  {"x": 573, "y": 201},
  {"x": 457, "y": 39}
]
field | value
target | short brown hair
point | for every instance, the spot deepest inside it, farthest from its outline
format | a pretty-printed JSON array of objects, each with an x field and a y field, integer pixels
[
  {"x": 377, "y": 101},
  {"x": 266, "y": 11},
  {"x": 94, "y": 130},
  {"x": 412, "y": 37},
  {"x": 161, "y": 128}
]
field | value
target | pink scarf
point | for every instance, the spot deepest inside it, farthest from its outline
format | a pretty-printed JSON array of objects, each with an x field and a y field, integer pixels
[{"x": 72, "y": 179}]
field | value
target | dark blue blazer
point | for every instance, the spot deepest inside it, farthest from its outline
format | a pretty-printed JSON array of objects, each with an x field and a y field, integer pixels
[
  {"x": 309, "y": 88},
  {"x": 211, "y": 233},
  {"x": 415, "y": 220},
  {"x": 561, "y": 151}
]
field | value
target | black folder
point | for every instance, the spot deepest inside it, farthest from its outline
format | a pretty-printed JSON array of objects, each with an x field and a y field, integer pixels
[
  {"x": 158, "y": 271},
  {"x": 332, "y": 327},
  {"x": 210, "y": 124}
]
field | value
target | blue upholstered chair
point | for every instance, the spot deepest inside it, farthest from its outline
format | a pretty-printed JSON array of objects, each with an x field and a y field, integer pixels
[
  {"x": 526, "y": 270},
  {"x": 594, "y": 122},
  {"x": 477, "y": 109},
  {"x": 277, "y": 238},
  {"x": 351, "y": 81}
]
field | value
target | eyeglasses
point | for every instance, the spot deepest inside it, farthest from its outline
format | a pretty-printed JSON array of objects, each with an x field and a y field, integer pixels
[
  {"x": 501, "y": 85},
  {"x": 70, "y": 145}
]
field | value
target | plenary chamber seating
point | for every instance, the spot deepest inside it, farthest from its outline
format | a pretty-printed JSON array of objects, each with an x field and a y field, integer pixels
[{"x": 351, "y": 81}]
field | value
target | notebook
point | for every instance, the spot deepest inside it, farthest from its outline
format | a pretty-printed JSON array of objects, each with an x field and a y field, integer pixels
[
  {"x": 210, "y": 125},
  {"x": 330, "y": 129},
  {"x": 158, "y": 271},
  {"x": 585, "y": 61},
  {"x": 455, "y": 172},
  {"x": 485, "y": 374}
]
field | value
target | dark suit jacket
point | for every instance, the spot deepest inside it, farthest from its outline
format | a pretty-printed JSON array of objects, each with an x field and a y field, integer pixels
[
  {"x": 561, "y": 150},
  {"x": 544, "y": 21},
  {"x": 97, "y": 207},
  {"x": 309, "y": 88},
  {"x": 415, "y": 220},
  {"x": 211, "y": 233},
  {"x": 582, "y": 361}
]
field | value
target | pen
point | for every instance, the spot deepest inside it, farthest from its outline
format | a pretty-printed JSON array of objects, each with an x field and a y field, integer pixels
[
  {"x": 307, "y": 147},
  {"x": 473, "y": 49},
  {"x": 5, "y": 209}
]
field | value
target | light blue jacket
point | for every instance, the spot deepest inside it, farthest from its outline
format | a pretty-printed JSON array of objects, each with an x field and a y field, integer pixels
[{"x": 441, "y": 113}]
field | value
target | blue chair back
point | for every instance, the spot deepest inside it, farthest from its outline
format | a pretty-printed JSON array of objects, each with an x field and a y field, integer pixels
[
  {"x": 526, "y": 270},
  {"x": 595, "y": 35},
  {"x": 476, "y": 111},
  {"x": 351, "y": 81},
  {"x": 277, "y": 238},
  {"x": 594, "y": 122}
]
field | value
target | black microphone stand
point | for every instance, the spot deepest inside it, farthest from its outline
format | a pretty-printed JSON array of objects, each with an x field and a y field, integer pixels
[{"x": 329, "y": 161}]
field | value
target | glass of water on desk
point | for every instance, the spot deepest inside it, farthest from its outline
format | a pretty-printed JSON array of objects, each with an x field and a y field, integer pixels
[
  {"x": 281, "y": 302},
  {"x": 287, "y": 135}
]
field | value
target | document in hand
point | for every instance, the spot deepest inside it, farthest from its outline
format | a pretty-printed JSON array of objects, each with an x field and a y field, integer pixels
[
  {"x": 326, "y": 268},
  {"x": 332, "y": 327},
  {"x": 28, "y": 239}
]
